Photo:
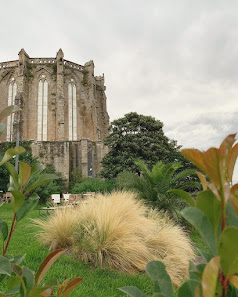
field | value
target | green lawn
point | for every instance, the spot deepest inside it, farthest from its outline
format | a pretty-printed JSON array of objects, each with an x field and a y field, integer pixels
[{"x": 96, "y": 282}]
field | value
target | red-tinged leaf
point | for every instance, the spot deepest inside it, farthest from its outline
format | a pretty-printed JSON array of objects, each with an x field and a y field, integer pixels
[
  {"x": 71, "y": 286},
  {"x": 9, "y": 110},
  {"x": 47, "y": 292},
  {"x": 202, "y": 180},
  {"x": 197, "y": 291},
  {"x": 234, "y": 280},
  {"x": 234, "y": 197},
  {"x": 228, "y": 142},
  {"x": 210, "y": 276},
  {"x": 196, "y": 157},
  {"x": 24, "y": 172},
  {"x": 62, "y": 286},
  {"x": 213, "y": 159},
  {"x": 46, "y": 264},
  {"x": 11, "y": 153},
  {"x": 231, "y": 162}
]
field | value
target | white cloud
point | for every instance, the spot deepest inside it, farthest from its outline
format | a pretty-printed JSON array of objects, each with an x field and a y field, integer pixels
[{"x": 174, "y": 60}]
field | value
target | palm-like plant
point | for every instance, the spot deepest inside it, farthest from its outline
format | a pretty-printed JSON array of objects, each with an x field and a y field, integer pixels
[{"x": 154, "y": 186}]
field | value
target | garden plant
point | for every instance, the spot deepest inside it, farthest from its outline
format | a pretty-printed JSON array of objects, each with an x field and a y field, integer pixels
[
  {"x": 155, "y": 186},
  {"x": 214, "y": 215},
  {"x": 119, "y": 232},
  {"x": 20, "y": 279}
]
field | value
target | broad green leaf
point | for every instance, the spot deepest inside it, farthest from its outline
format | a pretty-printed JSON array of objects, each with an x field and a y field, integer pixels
[
  {"x": 2, "y": 127},
  {"x": 17, "y": 269},
  {"x": 9, "y": 257},
  {"x": 44, "y": 178},
  {"x": 35, "y": 170},
  {"x": 11, "y": 153},
  {"x": 228, "y": 250},
  {"x": 35, "y": 292},
  {"x": 231, "y": 217},
  {"x": 185, "y": 195},
  {"x": 27, "y": 206},
  {"x": 159, "y": 295},
  {"x": 18, "y": 259},
  {"x": 208, "y": 203},
  {"x": 2, "y": 294},
  {"x": 210, "y": 277},
  {"x": 46, "y": 264},
  {"x": 70, "y": 287},
  {"x": 3, "y": 229},
  {"x": 132, "y": 291},
  {"x": 24, "y": 172},
  {"x": 188, "y": 288},
  {"x": 5, "y": 266},
  {"x": 9, "y": 110},
  {"x": 202, "y": 180},
  {"x": 29, "y": 278},
  {"x": 201, "y": 222},
  {"x": 157, "y": 272},
  {"x": 234, "y": 280},
  {"x": 13, "y": 285},
  {"x": 13, "y": 174},
  {"x": 17, "y": 200},
  {"x": 234, "y": 197}
]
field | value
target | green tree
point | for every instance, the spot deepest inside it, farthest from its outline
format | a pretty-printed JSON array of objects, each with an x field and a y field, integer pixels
[
  {"x": 138, "y": 137},
  {"x": 155, "y": 186}
]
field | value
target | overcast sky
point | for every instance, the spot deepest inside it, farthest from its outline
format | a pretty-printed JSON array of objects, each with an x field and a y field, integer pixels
[{"x": 174, "y": 60}]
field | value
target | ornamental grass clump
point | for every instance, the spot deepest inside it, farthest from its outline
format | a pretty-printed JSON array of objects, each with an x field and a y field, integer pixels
[
  {"x": 118, "y": 231},
  {"x": 58, "y": 231}
]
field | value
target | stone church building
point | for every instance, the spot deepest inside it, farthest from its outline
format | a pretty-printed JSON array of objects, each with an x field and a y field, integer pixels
[{"x": 64, "y": 110}]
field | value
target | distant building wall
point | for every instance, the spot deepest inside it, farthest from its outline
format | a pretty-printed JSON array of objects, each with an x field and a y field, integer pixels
[{"x": 63, "y": 110}]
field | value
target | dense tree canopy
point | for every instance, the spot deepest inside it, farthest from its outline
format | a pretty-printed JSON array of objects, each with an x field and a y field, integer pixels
[{"x": 138, "y": 137}]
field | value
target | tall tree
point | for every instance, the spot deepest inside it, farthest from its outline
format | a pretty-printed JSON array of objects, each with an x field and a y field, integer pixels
[{"x": 138, "y": 137}]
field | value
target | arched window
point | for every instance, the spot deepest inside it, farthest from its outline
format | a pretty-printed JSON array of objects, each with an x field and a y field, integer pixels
[
  {"x": 12, "y": 91},
  {"x": 72, "y": 110},
  {"x": 42, "y": 109}
]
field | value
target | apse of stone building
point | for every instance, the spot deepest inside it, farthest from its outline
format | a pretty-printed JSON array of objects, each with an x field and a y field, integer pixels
[{"x": 63, "y": 110}]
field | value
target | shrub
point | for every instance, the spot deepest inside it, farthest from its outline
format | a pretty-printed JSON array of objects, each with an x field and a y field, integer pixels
[
  {"x": 155, "y": 186},
  {"x": 214, "y": 214},
  {"x": 94, "y": 185},
  {"x": 118, "y": 231},
  {"x": 53, "y": 187}
]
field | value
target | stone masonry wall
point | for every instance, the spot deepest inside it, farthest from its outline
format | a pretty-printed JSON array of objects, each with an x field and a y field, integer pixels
[{"x": 92, "y": 116}]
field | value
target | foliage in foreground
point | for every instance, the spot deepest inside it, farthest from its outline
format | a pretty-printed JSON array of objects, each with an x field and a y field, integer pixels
[
  {"x": 154, "y": 186},
  {"x": 116, "y": 231},
  {"x": 21, "y": 279},
  {"x": 214, "y": 215},
  {"x": 136, "y": 137}
]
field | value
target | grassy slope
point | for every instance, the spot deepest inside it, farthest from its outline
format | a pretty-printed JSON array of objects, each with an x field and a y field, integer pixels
[{"x": 96, "y": 282}]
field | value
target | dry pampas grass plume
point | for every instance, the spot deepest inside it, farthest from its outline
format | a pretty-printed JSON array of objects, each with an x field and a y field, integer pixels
[{"x": 118, "y": 231}]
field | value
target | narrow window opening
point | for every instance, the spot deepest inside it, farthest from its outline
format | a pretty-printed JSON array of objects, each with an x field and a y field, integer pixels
[
  {"x": 42, "y": 109},
  {"x": 72, "y": 106},
  {"x": 12, "y": 91}
]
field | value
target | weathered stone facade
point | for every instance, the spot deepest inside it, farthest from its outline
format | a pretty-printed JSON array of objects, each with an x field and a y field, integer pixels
[{"x": 63, "y": 110}]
